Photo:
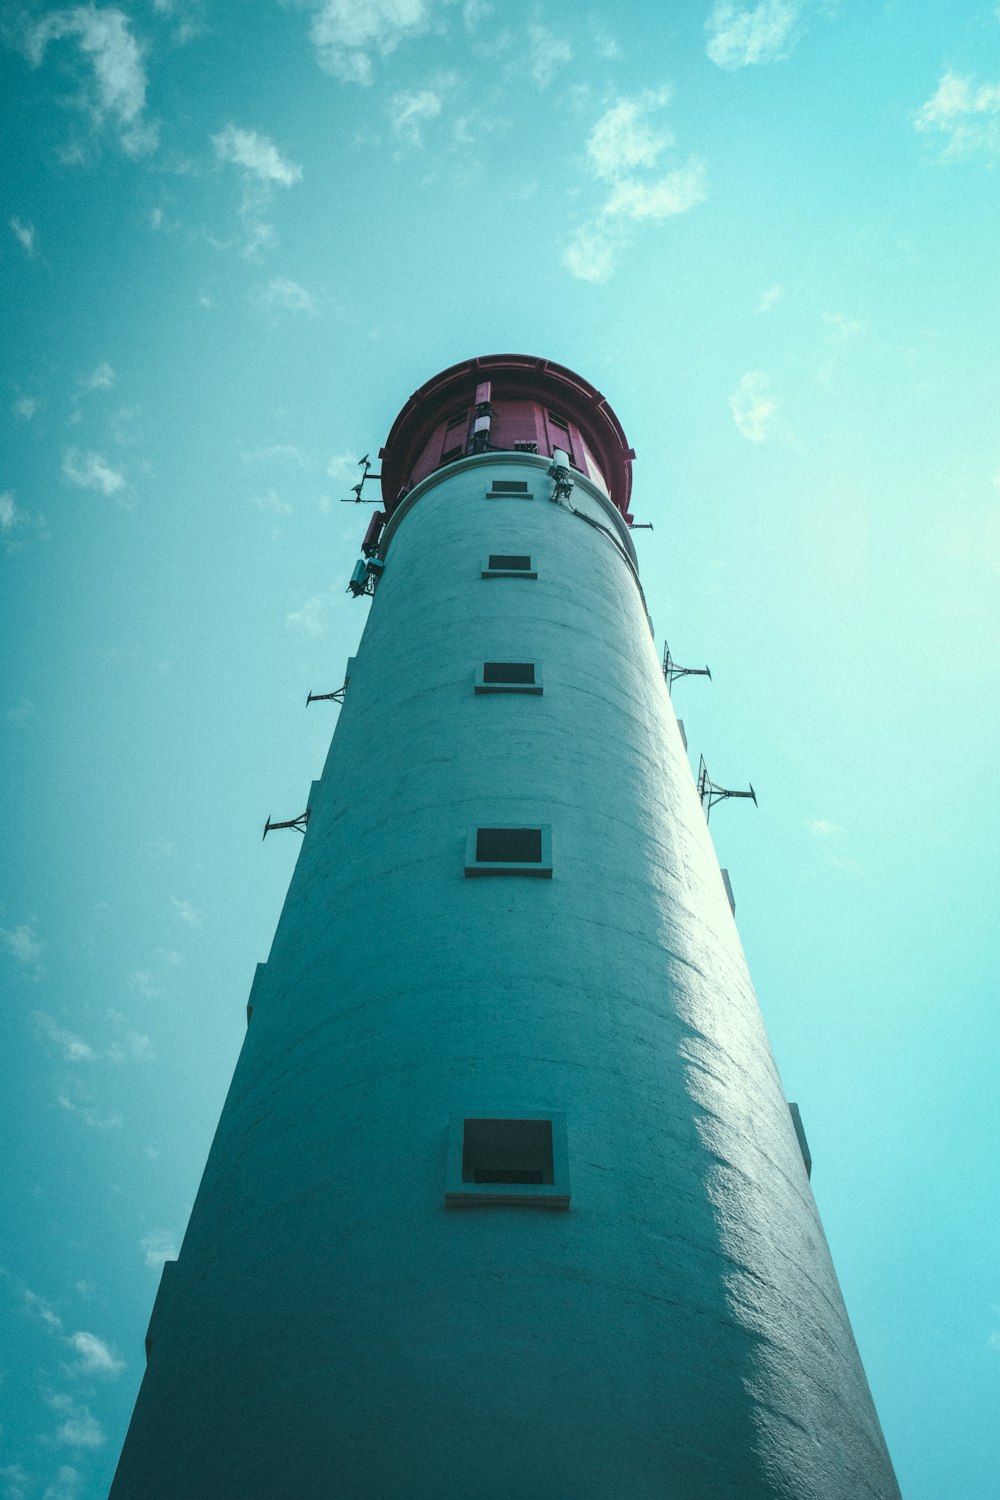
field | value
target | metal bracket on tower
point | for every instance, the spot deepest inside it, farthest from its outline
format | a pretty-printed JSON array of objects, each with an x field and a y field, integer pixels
[
  {"x": 298, "y": 823},
  {"x": 335, "y": 697},
  {"x": 365, "y": 576},
  {"x": 710, "y": 794},
  {"x": 672, "y": 671},
  {"x": 355, "y": 495},
  {"x": 640, "y": 525}
]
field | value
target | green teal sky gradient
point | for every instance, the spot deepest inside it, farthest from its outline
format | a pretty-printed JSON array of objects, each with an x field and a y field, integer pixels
[{"x": 769, "y": 234}]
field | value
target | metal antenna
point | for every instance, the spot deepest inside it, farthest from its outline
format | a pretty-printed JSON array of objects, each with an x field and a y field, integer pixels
[
  {"x": 335, "y": 697},
  {"x": 355, "y": 496},
  {"x": 710, "y": 794},
  {"x": 672, "y": 671},
  {"x": 298, "y": 823}
]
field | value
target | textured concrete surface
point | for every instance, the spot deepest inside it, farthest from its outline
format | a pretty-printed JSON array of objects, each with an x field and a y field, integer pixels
[{"x": 332, "y": 1328}]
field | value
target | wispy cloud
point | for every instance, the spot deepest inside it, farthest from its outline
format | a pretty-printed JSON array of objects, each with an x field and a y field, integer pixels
[
  {"x": 282, "y": 294},
  {"x": 25, "y": 233},
  {"x": 349, "y": 34},
  {"x": 17, "y": 1482},
  {"x": 158, "y": 1246},
  {"x": 25, "y": 408},
  {"x": 18, "y": 526},
  {"x": 101, "y": 378},
  {"x": 623, "y": 150},
  {"x": 409, "y": 113},
  {"x": 547, "y": 53},
  {"x": 966, "y": 115},
  {"x": 753, "y": 406},
  {"x": 96, "y": 1358},
  {"x": 91, "y": 1117},
  {"x": 42, "y": 1309},
  {"x": 187, "y": 913},
  {"x": 92, "y": 472},
  {"x": 312, "y": 617},
  {"x": 116, "y": 57},
  {"x": 22, "y": 942},
  {"x": 822, "y": 828},
  {"x": 740, "y": 35},
  {"x": 841, "y": 327},
  {"x": 64, "y": 1485},
  {"x": 769, "y": 298},
  {"x": 73, "y": 1048},
  {"x": 78, "y": 1428},
  {"x": 256, "y": 154}
]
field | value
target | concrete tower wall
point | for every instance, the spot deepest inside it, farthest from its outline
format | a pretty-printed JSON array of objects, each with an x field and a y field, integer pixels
[{"x": 332, "y": 1328}]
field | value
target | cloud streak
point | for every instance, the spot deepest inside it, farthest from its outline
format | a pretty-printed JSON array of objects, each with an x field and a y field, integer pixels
[
  {"x": 91, "y": 472},
  {"x": 349, "y": 34},
  {"x": 739, "y": 36},
  {"x": 966, "y": 115},
  {"x": 623, "y": 150},
  {"x": 116, "y": 58},
  {"x": 256, "y": 154},
  {"x": 753, "y": 406}
]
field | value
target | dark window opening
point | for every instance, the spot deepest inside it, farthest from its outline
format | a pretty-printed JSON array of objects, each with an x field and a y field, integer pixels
[
  {"x": 509, "y": 564},
  {"x": 457, "y": 417},
  {"x": 509, "y": 486},
  {"x": 508, "y": 1151},
  {"x": 509, "y": 671},
  {"x": 450, "y": 454},
  {"x": 509, "y": 846},
  {"x": 525, "y": 446}
]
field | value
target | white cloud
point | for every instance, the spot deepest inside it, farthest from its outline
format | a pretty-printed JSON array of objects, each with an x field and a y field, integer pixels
[
  {"x": 822, "y": 828},
  {"x": 43, "y": 1310},
  {"x": 624, "y": 139},
  {"x": 95, "y": 1356},
  {"x": 739, "y": 35},
  {"x": 256, "y": 154},
  {"x": 25, "y": 408},
  {"x": 17, "y": 1482},
  {"x": 769, "y": 298},
  {"x": 623, "y": 148},
  {"x": 409, "y": 112},
  {"x": 673, "y": 194},
  {"x": 349, "y": 34},
  {"x": 16, "y": 525},
  {"x": 26, "y": 234},
  {"x": 590, "y": 255},
  {"x": 966, "y": 114},
  {"x": 91, "y": 472},
  {"x": 8, "y": 511},
  {"x": 73, "y": 1048},
  {"x": 141, "y": 982},
  {"x": 90, "y": 1116},
  {"x": 186, "y": 912},
  {"x": 284, "y": 294},
  {"x": 64, "y": 1485},
  {"x": 104, "y": 37},
  {"x": 78, "y": 1428},
  {"x": 312, "y": 617},
  {"x": 753, "y": 406},
  {"x": 547, "y": 53},
  {"x": 271, "y": 503},
  {"x": 21, "y": 942},
  {"x": 99, "y": 379},
  {"x": 841, "y": 327},
  {"x": 158, "y": 1246}
]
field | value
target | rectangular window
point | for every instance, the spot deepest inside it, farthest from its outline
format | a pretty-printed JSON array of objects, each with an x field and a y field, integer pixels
[
  {"x": 509, "y": 565},
  {"x": 506, "y": 1158},
  {"x": 509, "y": 677},
  {"x": 506, "y": 850},
  {"x": 525, "y": 447},
  {"x": 450, "y": 454},
  {"x": 559, "y": 436},
  {"x": 509, "y": 487}
]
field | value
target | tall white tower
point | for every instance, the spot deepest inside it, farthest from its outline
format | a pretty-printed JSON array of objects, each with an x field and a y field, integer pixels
[{"x": 506, "y": 1201}]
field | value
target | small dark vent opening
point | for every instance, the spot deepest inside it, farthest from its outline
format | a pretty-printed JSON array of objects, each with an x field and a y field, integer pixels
[
  {"x": 450, "y": 456},
  {"x": 509, "y": 671},
  {"x": 507, "y": 1151},
  {"x": 509, "y": 846},
  {"x": 509, "y": 486},
  {"x": 509, "y": 563}
]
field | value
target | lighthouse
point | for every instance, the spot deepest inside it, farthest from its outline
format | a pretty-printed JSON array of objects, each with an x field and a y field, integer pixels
[{"x": 506, "y": 1201}]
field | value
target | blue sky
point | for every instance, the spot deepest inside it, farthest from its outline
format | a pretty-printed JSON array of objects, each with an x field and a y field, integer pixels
[{"x": 234, "y": 239}]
